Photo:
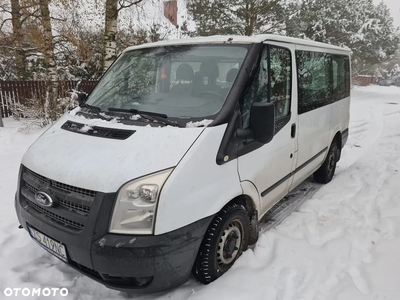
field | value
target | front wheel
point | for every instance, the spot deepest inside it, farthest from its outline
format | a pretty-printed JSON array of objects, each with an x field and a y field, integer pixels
[
  {"x": 225, "y": 240},
  {"x": 325, "y": 173}
]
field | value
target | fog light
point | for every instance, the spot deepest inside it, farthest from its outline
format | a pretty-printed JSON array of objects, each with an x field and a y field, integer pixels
[{"x": 142, "y": 281}]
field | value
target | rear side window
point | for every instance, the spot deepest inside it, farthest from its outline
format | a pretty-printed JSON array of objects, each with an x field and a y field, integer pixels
[
  {"x": 314, "y": 80},
  {"x": 341, "y": 76},
  {"x": 323, "y": 78}
]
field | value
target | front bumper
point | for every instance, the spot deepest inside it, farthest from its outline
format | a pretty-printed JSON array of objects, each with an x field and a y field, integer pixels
[
  {"x": 142, "y": 264},
  {"x": 165, "y": 260}
]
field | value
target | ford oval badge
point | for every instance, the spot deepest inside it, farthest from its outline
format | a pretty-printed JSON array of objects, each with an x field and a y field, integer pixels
[{"x": 43, "y": 199}]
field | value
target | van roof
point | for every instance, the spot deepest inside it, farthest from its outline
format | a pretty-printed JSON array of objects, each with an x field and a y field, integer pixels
[{"x": 238, "y": 39}]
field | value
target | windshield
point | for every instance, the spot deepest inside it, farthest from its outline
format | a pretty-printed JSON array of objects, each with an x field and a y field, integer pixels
[{"x": 188, "y": 81}]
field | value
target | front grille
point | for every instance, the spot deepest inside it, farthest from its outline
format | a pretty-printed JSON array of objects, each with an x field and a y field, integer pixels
[
  {"x": 31, "y": 187},
  {"x": 75, "y": 207},
  {"x": 67, "y": 204},
  {"x": 56, "y": 218},
  {"x": 62, "y": 186},
  {"x": 71, "y": 204},
  {"x": 68, "y": 188},
  {"x": 37, "y": 176}
]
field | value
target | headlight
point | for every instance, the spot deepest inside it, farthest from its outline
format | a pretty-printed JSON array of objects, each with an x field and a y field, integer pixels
[{"x": 134, "y": 211}]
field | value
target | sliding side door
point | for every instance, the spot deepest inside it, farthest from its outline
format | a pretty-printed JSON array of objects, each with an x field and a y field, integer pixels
[{"x": 314, "y": 112}]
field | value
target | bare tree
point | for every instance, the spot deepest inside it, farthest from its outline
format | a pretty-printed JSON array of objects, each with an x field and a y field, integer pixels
[
  {"x": 20, "y": 66},
  {"x": 16, "y": 12},
  {"x": 5, "y": 11},
  {"x": 48, "y": 40},
  {"x": 49, "y": 62},
  {"x": 113, "y": 7}
]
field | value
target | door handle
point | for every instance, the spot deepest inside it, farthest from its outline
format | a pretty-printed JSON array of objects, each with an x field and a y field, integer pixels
[{"x": 293, "y": 131}]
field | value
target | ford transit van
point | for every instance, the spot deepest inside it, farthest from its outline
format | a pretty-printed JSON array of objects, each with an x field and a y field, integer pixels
[{"x": 165, "y": 169}]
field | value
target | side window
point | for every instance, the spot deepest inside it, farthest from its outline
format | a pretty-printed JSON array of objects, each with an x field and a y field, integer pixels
[
  {"x": 336, "y": 74},
  {"x": 281, "y": 81},
  {"x": 272, "y": 82},
  {"x": 341, "y": 76},
  {"x": 314, "y": 80},
  {"x": 258, "y": 89}
]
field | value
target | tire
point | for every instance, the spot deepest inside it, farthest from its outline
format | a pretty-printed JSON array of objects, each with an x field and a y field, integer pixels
[
  {"x": 225, "y": 240},
  {"x": 325, "y": 173}
]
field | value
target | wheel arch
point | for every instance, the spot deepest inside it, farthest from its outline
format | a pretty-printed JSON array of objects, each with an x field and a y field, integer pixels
[
  {"x": 252, "y": 210},
  {"x": 338, "y": 139}
]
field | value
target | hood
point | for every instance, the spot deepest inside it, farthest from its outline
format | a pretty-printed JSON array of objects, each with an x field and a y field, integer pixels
[{"x": 105, "y": 164}]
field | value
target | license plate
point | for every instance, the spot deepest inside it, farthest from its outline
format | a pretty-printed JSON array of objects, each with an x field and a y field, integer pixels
[{"x": 55, "y": 248}]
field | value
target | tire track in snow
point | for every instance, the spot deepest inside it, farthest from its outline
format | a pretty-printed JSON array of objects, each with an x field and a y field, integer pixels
[
  {"x": 361, "y": 138},
  {"x": 288, "y": 205},
  {"x": 364, "y": 135}
]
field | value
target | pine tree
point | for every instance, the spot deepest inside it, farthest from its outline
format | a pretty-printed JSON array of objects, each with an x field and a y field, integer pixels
[
  {"x": 235, "y": 17},
  {"x": 365, "y": 28}
]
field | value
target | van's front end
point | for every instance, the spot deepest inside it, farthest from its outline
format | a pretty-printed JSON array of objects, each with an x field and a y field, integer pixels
[
  {"x": 93, "y": 201},
  {"x": 124, "y": 187}
]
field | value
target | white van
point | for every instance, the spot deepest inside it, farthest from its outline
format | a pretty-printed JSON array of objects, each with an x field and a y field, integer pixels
[{"x": 166, "y": 168}]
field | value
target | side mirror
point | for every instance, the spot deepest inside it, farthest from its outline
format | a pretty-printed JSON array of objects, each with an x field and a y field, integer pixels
[
  {"x": 262, "y": 121},
  {"x": 82, "y": 98}
]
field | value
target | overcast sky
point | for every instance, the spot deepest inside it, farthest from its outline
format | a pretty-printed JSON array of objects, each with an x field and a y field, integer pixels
[{"x": 394, "y": 6}]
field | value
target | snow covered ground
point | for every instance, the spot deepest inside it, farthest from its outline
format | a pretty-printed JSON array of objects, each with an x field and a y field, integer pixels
[{"x": 343, "y": 243}]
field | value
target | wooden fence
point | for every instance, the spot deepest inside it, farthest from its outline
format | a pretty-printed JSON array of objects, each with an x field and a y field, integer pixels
[
  {"x": 364, "y": 80},
  {"x": 18, "y": 92}
]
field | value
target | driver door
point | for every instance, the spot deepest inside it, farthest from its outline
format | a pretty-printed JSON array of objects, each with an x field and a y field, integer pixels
[{"x": 270, "y": 167}]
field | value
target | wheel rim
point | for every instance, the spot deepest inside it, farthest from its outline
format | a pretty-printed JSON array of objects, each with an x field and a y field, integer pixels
[
  {"x": 229, "y": 244},
  {"x": 331, "y": 161}
]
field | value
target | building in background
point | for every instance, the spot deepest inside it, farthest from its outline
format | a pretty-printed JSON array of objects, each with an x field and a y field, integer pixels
[{"x": 171, "y": 11}]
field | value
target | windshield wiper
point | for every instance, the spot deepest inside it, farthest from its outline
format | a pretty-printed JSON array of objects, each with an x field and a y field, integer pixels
[
  {"x": 94, "y": 110},
  {"x": 136, "y": 111},
  {"x": 90, "y": 106},
  {"x": 151, "y": 116}
]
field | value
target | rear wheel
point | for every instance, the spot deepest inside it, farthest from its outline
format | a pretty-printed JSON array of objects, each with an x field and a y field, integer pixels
[
  {"x": 225, "y": 240},
  {"x": 325, "y": 173}
]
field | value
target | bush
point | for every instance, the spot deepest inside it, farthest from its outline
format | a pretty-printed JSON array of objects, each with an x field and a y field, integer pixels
[{"x": 40, "y": 112}]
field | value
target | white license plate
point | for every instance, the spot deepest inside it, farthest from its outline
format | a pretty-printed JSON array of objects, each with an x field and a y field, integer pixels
[{"x": 55, "y": 248}]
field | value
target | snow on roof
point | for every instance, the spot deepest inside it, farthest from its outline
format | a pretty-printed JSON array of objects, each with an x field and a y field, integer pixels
[{"x": 238, "y": 39}]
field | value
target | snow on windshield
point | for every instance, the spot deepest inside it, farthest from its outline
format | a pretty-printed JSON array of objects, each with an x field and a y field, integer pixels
[{"x": 203, "y": 123}]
